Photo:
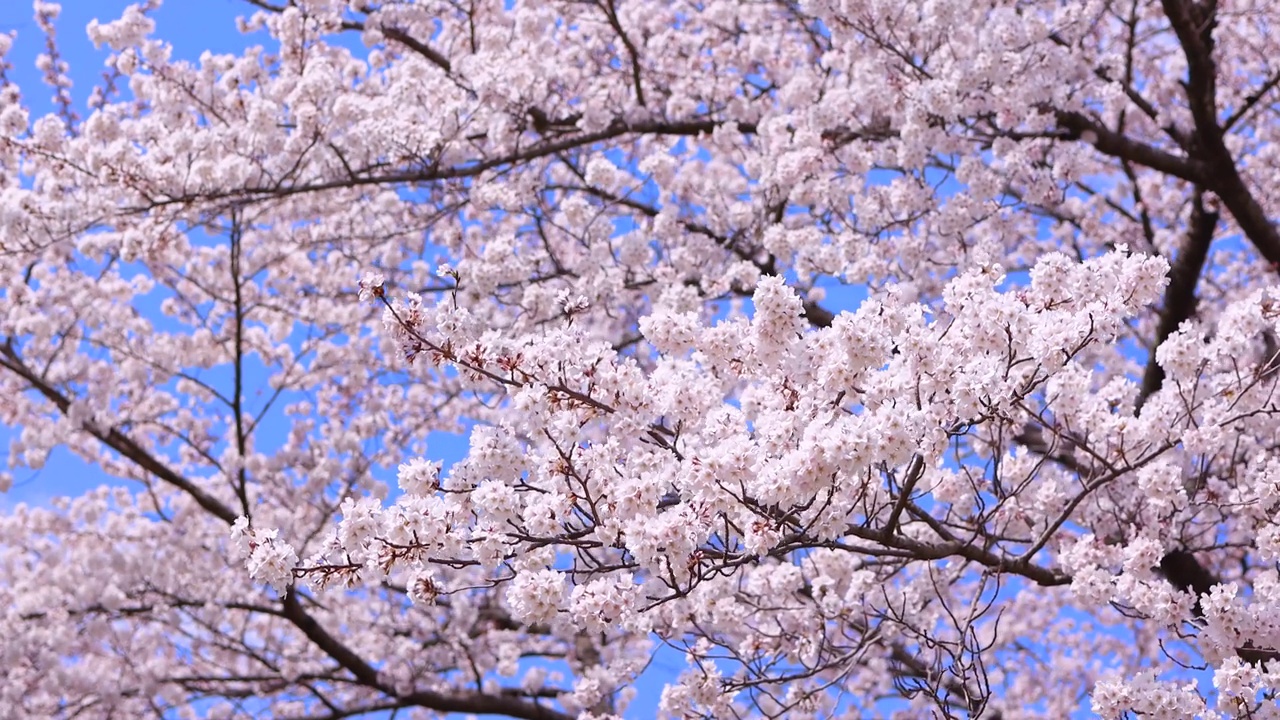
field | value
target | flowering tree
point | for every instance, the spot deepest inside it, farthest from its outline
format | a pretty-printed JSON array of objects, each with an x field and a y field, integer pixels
[{"x": 1035, "y": 472}]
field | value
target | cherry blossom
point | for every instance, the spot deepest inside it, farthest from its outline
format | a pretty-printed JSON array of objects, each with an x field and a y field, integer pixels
[{"x": 607, "y": 249}]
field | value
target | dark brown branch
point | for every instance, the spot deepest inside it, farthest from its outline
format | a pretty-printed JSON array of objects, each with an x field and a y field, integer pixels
[
  {"x": 632, "y": 53},
  {"x": 1109, "y": 142},
  {"x": 413, "y": 44},
  {"x": 1130, "y": 91},
  {"x": 817, "y": 315},
  {"x": 1180, "y": 294},
  {"x": 462, "y": 702},
  {"x": 1229, "y": 186},
  {"x": 1185, "y": 572},
  {"x": 1251, "y": 102},
  {"x": 241, "y": 483},
  {"x": 392, "y": 33},
  {"x": 619, "y": 128},
  {"x": 117, "y": 440},
  {"x": 1193, "y": 22},
  {"x": 920, "y": 550}
]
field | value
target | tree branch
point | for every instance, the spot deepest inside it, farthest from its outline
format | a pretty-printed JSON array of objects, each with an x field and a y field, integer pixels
[
  {"x": 1109, "y": 142},
  {"x": 619, "y": 128},
  {"x": 117, "y": 440},
  {"x": 1180, "y": 294}
]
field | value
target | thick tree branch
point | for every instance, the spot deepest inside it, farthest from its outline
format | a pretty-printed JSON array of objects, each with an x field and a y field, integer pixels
[
  {"x": 241, "y": 483},
  {"x": 1135, "y": 97},
  {"x": 477, "y": 703},
  {"x": 611, "y": 12},
  {"x": 461, "y": 702},
  {"x": 374, "y": 176},
  {"x": 1194, "y": 22},
  {"x": 117, "y": 440},
  {"x": 1180, "y": 294},
  {"x": 1117, "y": 145},
  {"x": 413, "y": 44},
  {"x": 1226, "y": 182},
  {"x": 392, "y": 33}
]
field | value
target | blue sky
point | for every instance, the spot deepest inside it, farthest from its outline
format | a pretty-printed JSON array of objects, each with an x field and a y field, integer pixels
[{"x": 191, "y": 26}]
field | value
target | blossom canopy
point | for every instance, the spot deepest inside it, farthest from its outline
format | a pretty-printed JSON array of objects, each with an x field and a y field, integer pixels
[{"x": 810, "y": 359}]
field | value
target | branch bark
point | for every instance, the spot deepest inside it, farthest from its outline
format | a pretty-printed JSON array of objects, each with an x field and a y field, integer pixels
[{"x": 1180, "y": 294}]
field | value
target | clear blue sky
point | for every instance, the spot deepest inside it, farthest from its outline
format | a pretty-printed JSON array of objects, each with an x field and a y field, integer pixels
[{"x": 192, "y": 26}]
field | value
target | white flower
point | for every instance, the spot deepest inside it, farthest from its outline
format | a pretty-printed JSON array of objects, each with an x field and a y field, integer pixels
[
  {"x": 273, "y": 561},
  {"x": 536, "y": 596},
  {"x": 361, "y": 521},
  {"x": 241, "y": 538},
  {"x": 419, "y": 476},
  {"x": 371, "y": 286}
]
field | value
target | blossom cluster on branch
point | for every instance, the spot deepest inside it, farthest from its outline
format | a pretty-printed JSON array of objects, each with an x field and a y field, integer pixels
[{"x": 1034, "y": 473}]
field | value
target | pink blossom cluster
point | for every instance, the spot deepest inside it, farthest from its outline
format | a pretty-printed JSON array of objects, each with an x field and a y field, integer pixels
[{"x": 1031, "y": 469}]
